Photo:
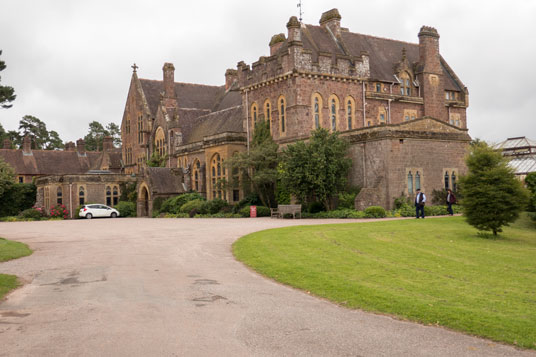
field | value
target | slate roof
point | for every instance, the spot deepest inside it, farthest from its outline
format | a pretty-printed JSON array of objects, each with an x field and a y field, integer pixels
[
  {"x": 384, "y": 53},
  {"x": 227, "y": 120},
  {"x": 163, "y": 180},
  {"x": 49, "y": 162},
  {"x": 524, "y": 164}
]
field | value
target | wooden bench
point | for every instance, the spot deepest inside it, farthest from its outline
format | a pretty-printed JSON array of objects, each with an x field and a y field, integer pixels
[{"x": 281, "y": 210}]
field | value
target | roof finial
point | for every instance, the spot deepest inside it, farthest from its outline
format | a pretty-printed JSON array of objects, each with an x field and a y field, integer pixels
[
  {"x": 134, "y": 67},
  {"x": 300, "y": 11}
]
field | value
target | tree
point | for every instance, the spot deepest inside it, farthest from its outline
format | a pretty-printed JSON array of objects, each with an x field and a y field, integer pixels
[
  {"x": 316, "y": 170},
  {"x": 258, "y": 168},
  {"x": 53, "y": 141},
  {"x": 37, "y": 130},
  {"x": 7, "y": 94},
  {"x": 157, "y": 160},
  {"x": 97, "y": 133},
  {"x": 530, "y": 181},
  {"x": 7, "y": 176},
  {"x": 492, "y": 196}
]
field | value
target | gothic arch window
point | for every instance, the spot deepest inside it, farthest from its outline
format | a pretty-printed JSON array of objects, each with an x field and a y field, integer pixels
[
  {"x": 350, "y": 113},
  {"x": 453, "y": 181},
  {"x": 282, "y": 115},
  {"x": 127, "y": 126},
  {"x": 254, "y": 112},
  {"x": 317, "y": 110},
  {"x": 59, "y": 196},
  {"x": 410, "y": 183},
  {"x": 405, "y": 84},
  {"x": 115, "y": 195},
  {"x": 333, "y": 112},
  {"x": 268, "y": 113},
  {"x": 217, "y": 174},
  {"x": 81, "y": 195},
  {"x": 159, "y": 141},
  {"x": 447, "y": 178},
  {"x": 196, "y": 175},
  {"x": 140, "y": 129},
  {"x": 108, "y": 196},
  {"x": 417, "y": 181}
]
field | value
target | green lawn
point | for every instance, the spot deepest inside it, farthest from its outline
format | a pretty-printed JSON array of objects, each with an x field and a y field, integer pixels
[
  {"x": 434, "y": 271},
  {"x": 10, "y": 250}
]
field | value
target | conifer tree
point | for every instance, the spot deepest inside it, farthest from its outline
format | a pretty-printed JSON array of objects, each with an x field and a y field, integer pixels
[
  {"x": 492, "y": 196},
  {"x": 7, "y": 94}
]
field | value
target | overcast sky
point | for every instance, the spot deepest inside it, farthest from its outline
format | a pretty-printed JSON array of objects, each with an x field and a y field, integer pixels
[{"x": 69, "y": 61}]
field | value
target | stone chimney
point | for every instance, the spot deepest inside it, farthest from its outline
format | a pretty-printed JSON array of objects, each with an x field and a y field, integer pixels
[
  {"x": 294, "y": 32},
  {"x": 27, "y": 145},
  {"x": 81, "y": 147},
  {"x": 331, "y": 20},
  {"x": 231, "y": 75},
  {"x": 169, "y": 80},
  {"x": 107, "y": 143},
  {"x": 429, "y": 50},
  {"x": 276, "y": 42},
  {"x": 70, "y": 146},
  {"x": 7, "y": 144}
]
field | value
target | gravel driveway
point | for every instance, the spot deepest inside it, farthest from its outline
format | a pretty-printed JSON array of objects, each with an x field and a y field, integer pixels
[{"x": 171, "y": 287}]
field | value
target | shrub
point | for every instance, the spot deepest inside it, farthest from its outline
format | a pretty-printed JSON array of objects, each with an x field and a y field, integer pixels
[
  {"x": 251, "y": 199},
  {"x": 375, "y": 212},
  {"x": 196, "y": 204},
  {"x": 262, "y": 211},
  {"x": 215, "y": 206},
  {"x": 174, "y": 204},
  {"x": 126, "y": 209},
  {"x": 31, "y": 214},
  {"x": 59, "y": 211},
  {"x": 315, "y": 207},
  {"x": 17, "y": 197},
  {"x": 338, "y": 213},
  {"x": 402, "y": 201}
]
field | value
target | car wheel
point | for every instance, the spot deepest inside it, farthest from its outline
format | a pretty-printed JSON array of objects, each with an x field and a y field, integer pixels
[
  {"x": 113, "y": 215},
  {"x": 89, "y": 216}
]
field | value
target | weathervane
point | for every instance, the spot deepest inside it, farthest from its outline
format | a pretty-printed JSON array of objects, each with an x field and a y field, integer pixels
[
  {"x": 134, "y": 67},
  {"x": 300, "y": 7}
]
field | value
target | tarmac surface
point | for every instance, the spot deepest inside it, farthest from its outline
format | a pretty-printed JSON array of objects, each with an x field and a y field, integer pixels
[{"x": 171, "y": 287}]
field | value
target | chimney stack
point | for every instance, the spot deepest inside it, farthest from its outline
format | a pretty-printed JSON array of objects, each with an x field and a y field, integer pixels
[
  {"x": 27, "y": 145},
  {"x": 7, "y": 144},
  {"x": 429, "y": 50},
  {"x": 70, "y": 146},
  {"x": 231, "y": 75},
  {"x": 81, "y": 147},
  {"x": 276, "y": 42},
  {"x": 169, "y": 80},
  {"x": 331, "y": 20},
  {"x": 107, "y": 143}
]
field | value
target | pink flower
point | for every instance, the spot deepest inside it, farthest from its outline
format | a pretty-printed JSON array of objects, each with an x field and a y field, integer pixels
[{"x": 64, "y": 211}]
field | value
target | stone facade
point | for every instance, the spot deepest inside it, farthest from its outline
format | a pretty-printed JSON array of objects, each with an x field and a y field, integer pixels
[{"x": 400, "y": 104}]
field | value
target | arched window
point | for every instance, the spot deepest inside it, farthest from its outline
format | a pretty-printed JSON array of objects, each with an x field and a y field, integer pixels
[
  {"x": 115, "y": 194},
  {"x": 333, "y": 112},
  {"x": 446, "y": 180},
  {"x": 382, "y": 114},
  {"x": 159, "y": 141},
  {"x": 268, "y": 113},
  {"x": 453, "y": 177},
  {"x": 282, "y": 115},
  {"x": 196, "y": 175},
  {"x": 108, "y": 196},
  {"x": 81, "y": 195},
  {"x": 417, "y": 181},
  {"x": 405, "y": 84},
  {"x": 59, "y": 198},
  {"x": 254, "y": 115},
  {"x": 140, "y": 129},
  {"x": 410, "y": 183},
  {"x": 350, "y": 112},
  {"x": 218, "y": 172},
  {"x": 317, "y": 111}
]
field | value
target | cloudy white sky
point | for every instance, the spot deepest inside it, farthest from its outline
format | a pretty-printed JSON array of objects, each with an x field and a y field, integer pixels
[{"x": 69, "y": 61}]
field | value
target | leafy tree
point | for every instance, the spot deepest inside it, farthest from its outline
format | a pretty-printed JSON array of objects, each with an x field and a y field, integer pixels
[
  {"x": 316, "y": 170},
  {"x": 258, "y": 168},
  {"x": 492, "y": 196},
  {"x": 530, "y": 181},
  {"x": 7, "y": 94},
  {"x": 53, "y": 141},
  {"x": 7, "y": 176},
  {"x": 97, "y": 133}
]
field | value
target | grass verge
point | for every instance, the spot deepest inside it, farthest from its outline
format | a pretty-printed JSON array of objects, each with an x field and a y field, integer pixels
[
  {"x": 434, "y": 271},
  {"x": 10, "y": 250}
]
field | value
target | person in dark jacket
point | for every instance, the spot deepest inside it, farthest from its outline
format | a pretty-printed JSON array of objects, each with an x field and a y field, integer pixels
[
  {"x": 420, "y": 200},
  {"x": 451, "y": 199}
]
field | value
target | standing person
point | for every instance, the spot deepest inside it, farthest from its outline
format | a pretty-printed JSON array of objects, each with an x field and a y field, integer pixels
[
  {"x": 420, "y": 200},
  {"x": 451, "y": 199}
]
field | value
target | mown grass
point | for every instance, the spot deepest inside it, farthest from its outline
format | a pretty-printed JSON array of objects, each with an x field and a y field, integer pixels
[
  {"x": 434, "y": 271},
  {"x": 10, "y": 250}
]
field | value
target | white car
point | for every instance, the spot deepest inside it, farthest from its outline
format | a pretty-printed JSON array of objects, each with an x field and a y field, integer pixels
[{"x": 97, "y": 210}]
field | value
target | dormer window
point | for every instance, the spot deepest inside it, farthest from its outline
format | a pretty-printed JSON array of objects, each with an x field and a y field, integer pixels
[{"x": 405, "y": 84}]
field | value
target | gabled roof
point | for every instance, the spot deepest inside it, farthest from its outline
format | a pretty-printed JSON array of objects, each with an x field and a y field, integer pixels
[
  {"x": 515, "y": 143},
  {"x": 223, "y": 121}
]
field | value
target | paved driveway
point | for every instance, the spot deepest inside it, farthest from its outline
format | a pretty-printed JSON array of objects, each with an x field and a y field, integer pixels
[{"x": 171, "y": 287}]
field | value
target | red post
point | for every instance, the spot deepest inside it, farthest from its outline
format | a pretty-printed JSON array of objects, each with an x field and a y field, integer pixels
[{"x": 252, "y": 211}]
